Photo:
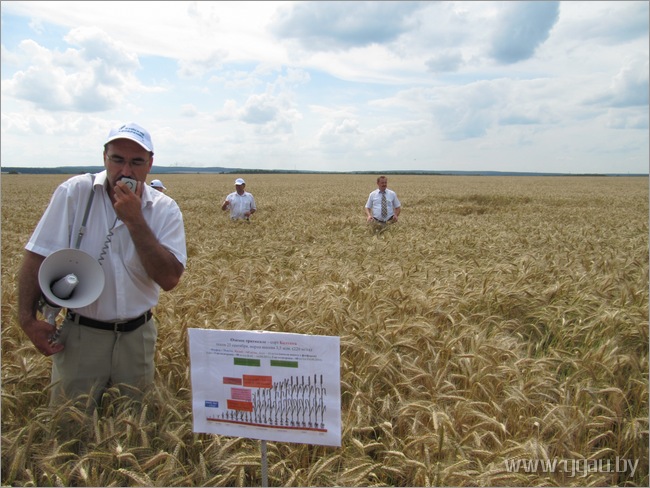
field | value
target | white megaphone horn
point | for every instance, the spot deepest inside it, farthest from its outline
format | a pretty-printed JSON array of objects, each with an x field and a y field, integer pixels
[{"x": 69, "y": 278}]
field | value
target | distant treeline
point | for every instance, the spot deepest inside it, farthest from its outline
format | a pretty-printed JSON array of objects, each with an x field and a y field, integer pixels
[{"x": 161, "y": 170}]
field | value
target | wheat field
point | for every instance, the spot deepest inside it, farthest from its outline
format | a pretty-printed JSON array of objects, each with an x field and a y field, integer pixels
[{"x": 502, "y": 319}]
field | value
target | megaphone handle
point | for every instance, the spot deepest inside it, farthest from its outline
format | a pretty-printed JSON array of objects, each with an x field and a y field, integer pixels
[
  {"x": 51, "y": 314},
  {"x": 51, "y": 317},
  {"x": 49, "y": 311},
  {"x": 55, "y": 337}
]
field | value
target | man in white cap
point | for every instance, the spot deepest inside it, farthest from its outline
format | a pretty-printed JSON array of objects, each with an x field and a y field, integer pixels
[
  {"x": 137, "y": 235},
  {"x": 240, "y": 202},
  {"x": 158, "y": 185}
]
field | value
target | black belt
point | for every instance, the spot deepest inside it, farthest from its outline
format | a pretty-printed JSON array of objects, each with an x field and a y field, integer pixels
[
  {"x": 126, "y": 326},
  {"x": 383, "y": 221}
]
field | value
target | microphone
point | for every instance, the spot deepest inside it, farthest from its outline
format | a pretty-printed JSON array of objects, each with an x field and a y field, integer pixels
[
  {"x": 65, "y": 286},
  {"x": 63, "y": 289}
]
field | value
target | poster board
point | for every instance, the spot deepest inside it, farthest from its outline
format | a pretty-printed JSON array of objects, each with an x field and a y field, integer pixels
[{"x": 266, "y": 385}]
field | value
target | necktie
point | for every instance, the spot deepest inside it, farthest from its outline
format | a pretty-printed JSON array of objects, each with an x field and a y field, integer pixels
[{"x": 384, "y": 207}]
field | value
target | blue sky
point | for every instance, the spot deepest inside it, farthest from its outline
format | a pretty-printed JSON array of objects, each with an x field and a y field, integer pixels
[{"x": 331, "y": 86}]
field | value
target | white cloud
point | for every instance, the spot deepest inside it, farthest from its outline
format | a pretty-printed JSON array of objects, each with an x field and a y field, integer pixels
[
  {"x": 521, "y": 27},
  {"x": 447, "y": 61},
  {"x": 341, "y": 25},
  {"x": 630, "y": 118},
  {"x": 189, "y": 110},
  {"x": 93, "y": 77},
  {"x": 606, "y": 22},
  {"x": 259, "y": 109},
  {"x": 630, "y": 85},
  {"x": 199, "y": 67}
]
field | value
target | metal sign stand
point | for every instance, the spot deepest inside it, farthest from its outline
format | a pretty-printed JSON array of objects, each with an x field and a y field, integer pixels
[{"x": 265, "y": 466}]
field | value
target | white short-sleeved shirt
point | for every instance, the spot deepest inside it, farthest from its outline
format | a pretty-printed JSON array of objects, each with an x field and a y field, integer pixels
[
  {"x": 374, "y": 203},
  {"x": 239, "y": 204},
  {"x": 128, "y": 289}
]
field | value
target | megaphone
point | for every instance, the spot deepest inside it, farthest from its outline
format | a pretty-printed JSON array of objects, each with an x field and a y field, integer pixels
[{"x": 69, "y": 278}]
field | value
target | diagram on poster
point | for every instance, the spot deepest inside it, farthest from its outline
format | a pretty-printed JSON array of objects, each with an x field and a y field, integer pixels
[{"x": 266, "y": 385}]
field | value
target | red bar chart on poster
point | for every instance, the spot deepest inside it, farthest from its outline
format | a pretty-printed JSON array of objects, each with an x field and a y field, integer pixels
[{"x": 266, "y": 385}]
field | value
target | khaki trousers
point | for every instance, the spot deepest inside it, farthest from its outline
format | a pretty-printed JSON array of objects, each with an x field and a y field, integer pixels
[{"x": 94, "y": 359}]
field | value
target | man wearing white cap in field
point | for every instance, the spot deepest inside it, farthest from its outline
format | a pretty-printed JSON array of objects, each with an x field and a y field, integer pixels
[
  {"x": 240, "y": 202},
  {"x": 158, "y": 185},
  {"x": 137, "y": 235}
]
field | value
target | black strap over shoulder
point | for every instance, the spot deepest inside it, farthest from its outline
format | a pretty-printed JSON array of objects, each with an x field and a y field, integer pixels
[{"x": 82, "y": 229}]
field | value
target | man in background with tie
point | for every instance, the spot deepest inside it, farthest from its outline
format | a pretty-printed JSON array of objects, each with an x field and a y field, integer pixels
[{"x": 383, "y": 206}]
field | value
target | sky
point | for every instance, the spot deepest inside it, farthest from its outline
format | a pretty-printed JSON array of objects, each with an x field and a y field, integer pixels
[{"x": 519, "y": 86}]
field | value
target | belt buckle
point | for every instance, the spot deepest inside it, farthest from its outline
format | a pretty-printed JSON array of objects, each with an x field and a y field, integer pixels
[{"x": 117, "y": 324}]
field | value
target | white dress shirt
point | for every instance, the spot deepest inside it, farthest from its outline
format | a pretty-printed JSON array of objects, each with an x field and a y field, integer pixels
[
  {"x": 374, "y": 203},
  {"x": 240, "y": 204}
]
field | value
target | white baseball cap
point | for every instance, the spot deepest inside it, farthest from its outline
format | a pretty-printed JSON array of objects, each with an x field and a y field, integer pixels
[
  {"x": 157, "y": 184},
  {"x": 131, "y": 131},
  {"x": 240, "y": 181}
]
